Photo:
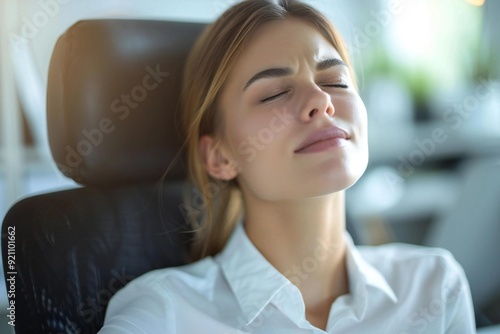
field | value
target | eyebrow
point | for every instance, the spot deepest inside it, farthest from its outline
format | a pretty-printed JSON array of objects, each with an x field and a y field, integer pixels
[
  {"x": 285, "y": 71},
  {"x": 330, "y": 62}
]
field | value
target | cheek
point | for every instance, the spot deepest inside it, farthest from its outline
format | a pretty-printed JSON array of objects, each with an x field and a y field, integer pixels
[
  {"x": 360, "y": 121},
  {"x": 259, "y": 146},
  {"x": 353, "y": 111},
  {"x": 248, "y": 137},
  {"x": 360, "y": 124},
  {"x": 257, "y": 136},
  {"x": 351, "y": 108}
]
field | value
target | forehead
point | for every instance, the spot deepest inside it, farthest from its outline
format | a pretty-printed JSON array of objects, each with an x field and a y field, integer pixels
[
  {"x": 283, "y": 42},
  {"x": 285, "y": 31}
]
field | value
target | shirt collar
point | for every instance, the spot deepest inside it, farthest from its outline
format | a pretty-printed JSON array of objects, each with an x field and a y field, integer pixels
[
  {"x": 255, "y": 282},
  {"x": 362, "y": 276},
  {"x": 252, "y": 278}
]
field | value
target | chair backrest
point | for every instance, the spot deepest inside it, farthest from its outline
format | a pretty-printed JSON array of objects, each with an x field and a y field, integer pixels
[{"x": 113, "y": 96}]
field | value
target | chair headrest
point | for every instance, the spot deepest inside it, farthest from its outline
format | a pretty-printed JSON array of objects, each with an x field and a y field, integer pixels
[{"x": 113, "y": 100}]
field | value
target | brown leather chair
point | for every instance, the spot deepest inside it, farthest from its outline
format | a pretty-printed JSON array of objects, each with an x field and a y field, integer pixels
[{"x": 113, "y": 95}]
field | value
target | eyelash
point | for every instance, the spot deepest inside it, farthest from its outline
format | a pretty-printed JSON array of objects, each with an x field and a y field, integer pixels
[
  {"x": 340, "y": 85},
  {"x": 271, "y": 98}
]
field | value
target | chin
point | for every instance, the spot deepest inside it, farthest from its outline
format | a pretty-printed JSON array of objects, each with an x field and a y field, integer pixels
[
  {"x": 346, "y": 177},
  {"x": 328, "y": 185},
  {"x": 356, "y": 172}
]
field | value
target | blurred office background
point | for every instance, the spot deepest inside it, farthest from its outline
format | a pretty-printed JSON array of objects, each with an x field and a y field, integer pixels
[{"x": 428, "y": 72}]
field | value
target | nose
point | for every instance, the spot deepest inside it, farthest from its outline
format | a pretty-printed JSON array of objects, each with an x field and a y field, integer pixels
[{"x": 317, "y": 104}]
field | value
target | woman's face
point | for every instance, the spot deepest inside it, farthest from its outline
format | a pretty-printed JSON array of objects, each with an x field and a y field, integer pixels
[{"x": 290, "y": 88}]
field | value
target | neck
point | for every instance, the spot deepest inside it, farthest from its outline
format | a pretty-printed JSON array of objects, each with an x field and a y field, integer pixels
[{"x": 303, "y": 239}]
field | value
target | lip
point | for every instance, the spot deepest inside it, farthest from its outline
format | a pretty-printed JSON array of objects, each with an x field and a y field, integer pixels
[{"x": 325, "y": 138}]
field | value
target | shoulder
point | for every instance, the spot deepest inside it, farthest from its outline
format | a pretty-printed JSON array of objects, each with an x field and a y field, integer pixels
[
  {"x": 394, "y": 257},
  {"x": 409, "y": 268},
  {"x": 429, "y": 284},
  {"x": 147, "y": 302},
  {"x": 168, "y": 279}
]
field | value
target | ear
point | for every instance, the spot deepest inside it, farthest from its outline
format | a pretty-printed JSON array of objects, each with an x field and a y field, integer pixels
[{"x": 217, "y": 163}]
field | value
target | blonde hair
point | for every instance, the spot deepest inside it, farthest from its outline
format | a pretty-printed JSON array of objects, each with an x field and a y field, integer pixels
[{"x": 208, "y": 66}]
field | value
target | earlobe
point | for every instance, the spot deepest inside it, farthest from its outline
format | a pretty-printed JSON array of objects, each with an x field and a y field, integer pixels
[{"x": 217, "y": 164}]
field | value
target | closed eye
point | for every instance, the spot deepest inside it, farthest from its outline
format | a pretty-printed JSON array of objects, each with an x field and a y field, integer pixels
[
  {"x": 339, "y": 85},
  {"x": 274, "y": 97}
]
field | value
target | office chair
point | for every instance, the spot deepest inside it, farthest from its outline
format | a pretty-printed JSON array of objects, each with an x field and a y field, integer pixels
[{"x": 113, "y": 94}]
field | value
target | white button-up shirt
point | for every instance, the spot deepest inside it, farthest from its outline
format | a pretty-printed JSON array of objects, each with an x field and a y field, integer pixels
[{"x": 395, "y": 288}]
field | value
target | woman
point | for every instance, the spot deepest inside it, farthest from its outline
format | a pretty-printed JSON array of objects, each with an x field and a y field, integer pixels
[{"x": 277, "y": 132}]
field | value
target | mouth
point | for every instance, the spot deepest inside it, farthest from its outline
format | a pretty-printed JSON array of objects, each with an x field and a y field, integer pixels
[{"x": 324, "y": 139}]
